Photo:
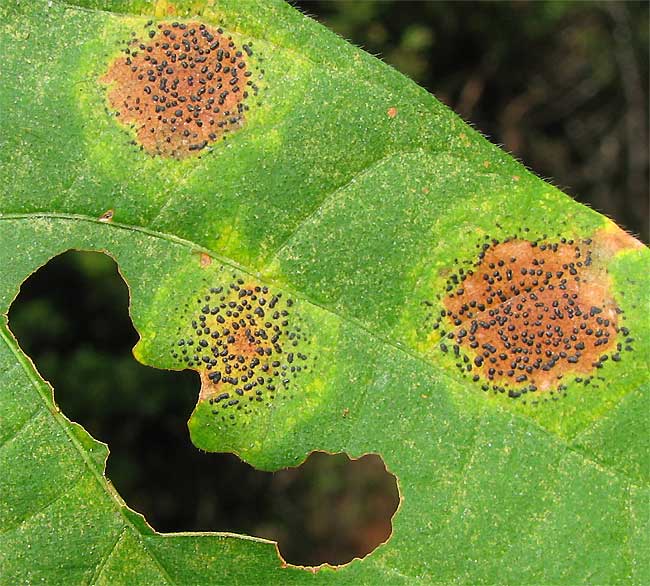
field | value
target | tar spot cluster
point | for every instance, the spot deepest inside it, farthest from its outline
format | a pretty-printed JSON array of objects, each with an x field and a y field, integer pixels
[
  {"x": 246, "y": 344},
  {"x": 183, "y": 86},
  {"x": 526, "y": 314}
]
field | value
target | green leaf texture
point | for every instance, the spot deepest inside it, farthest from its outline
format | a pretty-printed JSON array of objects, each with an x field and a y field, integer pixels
[{"x": 351, "y": 195}]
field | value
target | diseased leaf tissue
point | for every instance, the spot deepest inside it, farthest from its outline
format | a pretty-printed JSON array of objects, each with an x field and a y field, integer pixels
[
  {"x": 532, "y": 314},
  {"x": 182, "y": 87},
  {"x": 242, "y": 341},
  {"x": 350, "y": 268}
]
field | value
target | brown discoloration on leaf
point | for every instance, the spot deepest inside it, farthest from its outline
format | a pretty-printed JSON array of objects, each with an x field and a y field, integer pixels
[
  {"x": 392, "y": 112},
  {"x": 205, "y": 260},
  {"x": 182, "y": 87},
  {"x": 245, "y": 342},
  {"x": 611, "y": 240},
  {"x": 531, "y": 312},
  {"x": 207, "y": 389},
  {"x": 107, "y": 216}
]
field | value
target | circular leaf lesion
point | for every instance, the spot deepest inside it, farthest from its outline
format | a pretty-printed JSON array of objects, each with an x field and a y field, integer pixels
[
  {"x": 182, "y": 86},
  {"x": 527, "y": 315},
  {"x": 247, "y": 344}
]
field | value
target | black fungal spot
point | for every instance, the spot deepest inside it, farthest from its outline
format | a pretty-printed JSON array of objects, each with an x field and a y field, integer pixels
[
  {"x": 182, "y": 87},
  {"x": 524, "y": 315},
  {"x": 247, "y": 355}
]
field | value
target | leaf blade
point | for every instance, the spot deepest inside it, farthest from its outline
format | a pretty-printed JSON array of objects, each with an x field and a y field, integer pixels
[{"x": 435, "y": 431}]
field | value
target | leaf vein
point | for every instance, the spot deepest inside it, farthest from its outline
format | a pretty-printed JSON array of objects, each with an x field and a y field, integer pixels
[
  {"x": 67, "y": 490},
  {"x": 27, "y": 423},
  {"x": 351, "y": 320},
  {"x": 102, "y": 563},
  {"x": 332, "y": 196}
]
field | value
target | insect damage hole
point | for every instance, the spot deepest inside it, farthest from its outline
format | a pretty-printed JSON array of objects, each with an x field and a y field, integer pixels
[
  {"x": 527, "y": 314},
  {"x": 182, "y": 86},
  {"x": 355, "y": 502},
  {"x": 328, "y": 510}
]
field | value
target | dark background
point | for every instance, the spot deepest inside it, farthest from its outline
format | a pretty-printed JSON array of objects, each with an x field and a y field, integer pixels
[{"x": 562, "y": 85}]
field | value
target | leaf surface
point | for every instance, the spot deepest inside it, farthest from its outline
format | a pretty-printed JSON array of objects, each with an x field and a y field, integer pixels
[{"x": 354, "y": 198}]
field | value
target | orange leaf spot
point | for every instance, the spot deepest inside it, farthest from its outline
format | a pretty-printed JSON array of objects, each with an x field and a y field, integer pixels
[{"x": 182, "y": 87}]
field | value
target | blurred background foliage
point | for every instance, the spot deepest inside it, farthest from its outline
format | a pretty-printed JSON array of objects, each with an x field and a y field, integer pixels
[{"x": 562, "y": 85}]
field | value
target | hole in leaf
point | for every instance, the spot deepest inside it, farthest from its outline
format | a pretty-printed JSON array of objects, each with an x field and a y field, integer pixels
[{"x": 71, "y": 318}]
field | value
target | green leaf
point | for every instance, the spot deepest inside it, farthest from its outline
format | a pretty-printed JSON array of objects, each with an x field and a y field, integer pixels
[{"x": 356, "y": 198}]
